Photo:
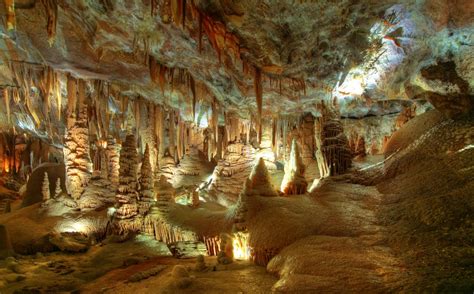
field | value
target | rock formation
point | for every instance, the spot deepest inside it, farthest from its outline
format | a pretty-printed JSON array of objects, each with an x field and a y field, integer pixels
[
  {"x": 294, "y": 181},
  {"x": 58, "y": 190},
  {"x": 76, "y": 150},
  {"x": 146, "y": 183},
  {"x": 113, "y": 158},
  {"x": 45, "y": 188},
  {"x": 127, "y": 195},
  {"x": 6, "y": 248}
]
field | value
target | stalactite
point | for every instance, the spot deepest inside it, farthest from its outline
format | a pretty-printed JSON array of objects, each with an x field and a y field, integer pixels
[
  {"x": 71, "y": 100},
  {"x": 274, "y": 134},
  {"x": 124, "y": 110},
  {"x": 172, "y": 134},
  {"x": 137, "y": 114},
  {"x": 177, "y": 10},
  {"x": 6, "y": 97},
  {"x": 258, "y": 95},
  {"x": 11, "y": 19},
  {"x": 159, "y": 122},
  {"x": 183, "y": 12},
  {"x": 200, "y": 31},
  {"x": 179, "y": 149},
  {"x": 51, "y": 8},
  {"x": 154, "y": 69},
  {"x": 192, "y": 85},
  {"x": 57, "y": 92}
]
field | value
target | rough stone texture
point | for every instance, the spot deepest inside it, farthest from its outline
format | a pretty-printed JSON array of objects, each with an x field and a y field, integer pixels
[
  {"x": 33, "y": 186},
  {"x": 146, "y": 192},
  {"x": 77, "y": 155},
  {"x": 113, "y": 158},
  {"x": 6, "y": 248},
  {"x": 127, "y": 195},
  {"x": 232, "y": 171},
  {"x": 294, "y": 181}
]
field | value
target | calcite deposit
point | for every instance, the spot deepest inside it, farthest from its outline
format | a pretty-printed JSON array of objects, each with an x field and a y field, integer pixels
[{"x": 251, "y": 146}]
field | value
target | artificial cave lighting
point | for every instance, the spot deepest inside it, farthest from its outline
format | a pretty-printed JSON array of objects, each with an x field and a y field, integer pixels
[
  {"x": 241, "y": 249},
  {"x": 236, "y": 146}
]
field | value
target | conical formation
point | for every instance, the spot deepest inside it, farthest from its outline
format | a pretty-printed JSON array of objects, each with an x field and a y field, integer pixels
[
  {"x": 127, "y": 191},
  {"x": 146, "y": 183},
  {"x": 258, "y": 184},
  {"x": 45, "y": 188},
  {"x": 294, "y": 182}
]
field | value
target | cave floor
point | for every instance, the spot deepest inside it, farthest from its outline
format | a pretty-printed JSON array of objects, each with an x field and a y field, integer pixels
[{"x": 110, "y": 268}]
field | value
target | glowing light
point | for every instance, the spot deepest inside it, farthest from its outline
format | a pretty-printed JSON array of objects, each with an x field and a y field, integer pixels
[
  {"x": 74, "y": 226},
  {"x": 240, "y": 246},
  {"x": 467, "y": 147},
  {"x": 102, "y": 144},
  {"x": 351, "y": 86}
]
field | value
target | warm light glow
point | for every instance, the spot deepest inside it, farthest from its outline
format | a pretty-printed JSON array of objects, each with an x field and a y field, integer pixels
[
  {"x": 102, "y": 144},
  {"x": 74, "y": 226},
  {"x": 6, "y": 165},
  {"x": 240, "y": 245},
  {"x": 467, "y": 147},
  {"x": 351, "y": 86}
]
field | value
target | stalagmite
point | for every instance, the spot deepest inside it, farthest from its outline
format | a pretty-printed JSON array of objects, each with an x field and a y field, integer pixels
[
  {"x": 76, "y": 150},
  {"x": 58, "y": 190},
  {"x": 259, "y": 183},
  {"x": 45, "y": 188},
  {"x": 294, "y": 181},
  {"x": 113, "y": 160},
  {"x": 146, "y": 183},
  {"x": 127, "y": 195}
]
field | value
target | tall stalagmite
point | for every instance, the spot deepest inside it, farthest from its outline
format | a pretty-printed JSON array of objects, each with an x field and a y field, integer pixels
[
  {"x": 146, "y": 183},
  {"x": 113, "y": 160},
  {"x": 127, "y": 194},
  {"x": 294, "y": 181},
  {"x": 76, "y": 149}
]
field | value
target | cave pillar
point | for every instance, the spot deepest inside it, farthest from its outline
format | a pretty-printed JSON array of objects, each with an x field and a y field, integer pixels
[{"x": 77, "y": 149}]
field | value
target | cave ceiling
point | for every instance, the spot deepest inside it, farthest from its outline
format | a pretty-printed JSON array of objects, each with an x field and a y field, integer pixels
[{"x": 360, "y": 52}]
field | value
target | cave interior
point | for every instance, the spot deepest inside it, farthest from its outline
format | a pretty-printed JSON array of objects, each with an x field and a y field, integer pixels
[{"x": 222, "y": 146}]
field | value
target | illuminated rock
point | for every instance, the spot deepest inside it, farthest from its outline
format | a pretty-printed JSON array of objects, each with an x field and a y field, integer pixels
[
  {"x": 294, "y": 181},
  {"x": 77, "y": 154},
  {"x": 146, "y": 183},
  {"x": 127, "y": 194}
]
